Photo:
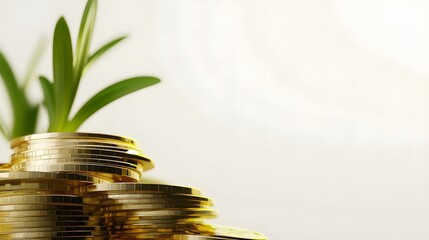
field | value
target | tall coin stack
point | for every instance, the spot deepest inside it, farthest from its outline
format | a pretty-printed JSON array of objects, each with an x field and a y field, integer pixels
[{"x": 90, "y": 186}]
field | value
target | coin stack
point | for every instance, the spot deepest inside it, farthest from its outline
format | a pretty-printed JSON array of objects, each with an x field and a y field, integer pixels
[
  {"x": 90, "y": 186},
  {"x": 38, "y": 205}
]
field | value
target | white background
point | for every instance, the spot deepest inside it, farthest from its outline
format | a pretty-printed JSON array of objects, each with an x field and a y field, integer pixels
[{"x": 303, "y": 119}]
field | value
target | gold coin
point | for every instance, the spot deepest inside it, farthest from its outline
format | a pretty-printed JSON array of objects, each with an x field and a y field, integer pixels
[
  {"x": 101, "y": 237},
  {"x": 51, "y": 218},
  {"x": 116, "y": 202},
  {"x": 154, "y": 222},
  {"x": 40, "y": 213},
  {"x": 80, "y": 151},
  {"x": 30, "y": 207},
  {"x": 140, "y": 231},
  {"x": 71, "y": 135},
  {"x": 140, "y": 187},
  {"x": 142, "y": 236},
  {"x": 40, "y": 224},
  {"x": 68, "y": 178},
  {"x": 76, "y": 143},
  {"x": 128, "y": 207},
  {"x": 26, "y": 235},
  {"x": 136, "y": 160},
  {"x": 223, "y": 232},
  {"x": 197, "y": 212},
  {"x": 158, "y": 236},
  {"x": 124, "y": 227},
  {"x": 38, "y": 186},
  {"x": 4, "y": 229},
  {"x": 48, "y": 199},
  {"x": 43, "y": 146},
  {"x": 134, "y": 165},
  {"x": 128, "y": 197},
  {"x": 57, "y": 161},
  {"x": 114, "y": 173},
  {"x": 4, "y": 166},
  {"x": 179, "y": 218}
]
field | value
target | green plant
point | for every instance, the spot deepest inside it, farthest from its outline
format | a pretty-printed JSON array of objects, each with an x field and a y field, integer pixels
[
  {"x": 68, "y": 69},
  {"x": 24, "y": 113}
]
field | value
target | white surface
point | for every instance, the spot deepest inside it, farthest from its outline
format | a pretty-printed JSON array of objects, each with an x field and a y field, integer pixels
[{"x": 302, "y": 119}]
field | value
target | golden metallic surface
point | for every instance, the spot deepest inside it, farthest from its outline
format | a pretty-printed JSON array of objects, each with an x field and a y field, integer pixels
[
  {"x": 142, "y": 207},
  {"x": 57, "y": 161},
  {"x": 75, "y": 150},
  {"x": 150, "y": 201},
  {"x": 138, "y": 195},
  {"x": 223, "y": 232},
  {"x": 4, "y": 229},
  {"x": 31, "y": 207},
  {"x": 82, "y": 186},
  {"x": 59, "y": 238},
  {"x": 136, "y": 227},
  {"x": 73, "y": 179},
  {"x": 141, "y": 236},
  {"x": 163, "y": 213},
  {"x": 4, "y": 166},
  {"x": 76, "y": 143},
  {"x": 154, "y": 202},
  {"x": 36, "y": 213},
  {"x": 71, "y": 135},
  {"x": 135, "y": 160},
  {"x": 102, "y": 171},
  {"x": 153, "y": 222},
  {"x": 40, "y": 224},
  {"x": 140, "y": 187},
  {"x": 198, "y": 237},
  {"x": 35, "y": 186},
  {"x": 25, "y": 235},
  {"x": 51, "y": 218},
  {"x": 48, "y": 199}
]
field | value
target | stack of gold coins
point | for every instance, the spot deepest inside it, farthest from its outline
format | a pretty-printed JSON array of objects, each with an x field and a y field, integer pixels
[
  {"x": 83, "y": 186},
  {"x": 106, "y": 156},
  {"x": 38, "y": 205},
  {"x": 144, "y": 210}
]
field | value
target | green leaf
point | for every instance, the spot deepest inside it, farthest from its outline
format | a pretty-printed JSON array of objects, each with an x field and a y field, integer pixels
[
  {"x": 24, "y": 115},
  {"x": 3, "y": 130},
  {"x": 11, "y": 84},
  {"x": 107, "y": 96},
  {"x": 49, "y": 100},
  {"x": 84, "y": 39},
  {"x": 64, "y": 90},
  {"x": 103, "y": 50},
  {"x": 28, "y": 123},
  {"x": 34, "y": 61}
]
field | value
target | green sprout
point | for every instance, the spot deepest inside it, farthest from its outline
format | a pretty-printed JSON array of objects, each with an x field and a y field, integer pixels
[{"x": 68, "y": 69}]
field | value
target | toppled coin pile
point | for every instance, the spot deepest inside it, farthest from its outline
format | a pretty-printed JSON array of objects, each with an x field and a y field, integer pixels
[{"x": 89, "y": 186}]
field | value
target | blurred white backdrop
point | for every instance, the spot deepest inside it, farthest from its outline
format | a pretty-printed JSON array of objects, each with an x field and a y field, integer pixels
[{"x": 303, "y": 119}]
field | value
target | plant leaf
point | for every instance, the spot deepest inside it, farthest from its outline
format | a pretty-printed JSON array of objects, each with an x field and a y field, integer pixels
[
  {"x": 28, "y": 123},
  {"x": 63, "y": 74},
  {"x": 11, "y": 84},
  {"x": 3, "y": 130},
  {"x": 49, "y": 100},
  {"x": 107, "y": 96},
  {"x": 34, "y": 61},
  {"x": 103, "y": 50},
  {"x": 84, "y": 39},
  {"x": 24, "y": 115}
]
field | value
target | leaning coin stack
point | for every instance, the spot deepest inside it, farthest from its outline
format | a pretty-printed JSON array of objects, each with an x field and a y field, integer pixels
[
  {"x": 90, "y": 186},
  {"x": 110, "y": 157}
]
